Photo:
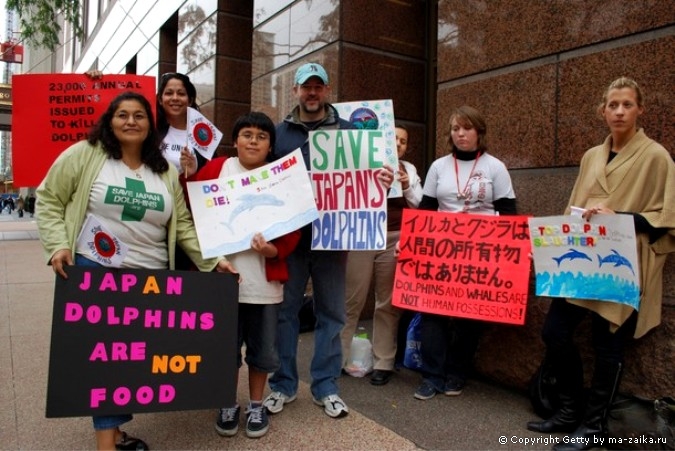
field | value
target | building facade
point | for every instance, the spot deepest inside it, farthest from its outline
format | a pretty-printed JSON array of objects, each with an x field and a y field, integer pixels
[{"x": 536, "y": 69}]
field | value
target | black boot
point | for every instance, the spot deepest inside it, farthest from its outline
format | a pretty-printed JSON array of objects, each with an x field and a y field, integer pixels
[
  {"x": 570, "y": 379},
  {"x": 592, "y": 433}
]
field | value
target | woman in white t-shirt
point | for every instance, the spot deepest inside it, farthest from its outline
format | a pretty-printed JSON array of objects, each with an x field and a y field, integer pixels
[
  {"x": 468, "y": 180},
  {"x": 175, "y": 94},
  {"x": 121, "y": 151}
]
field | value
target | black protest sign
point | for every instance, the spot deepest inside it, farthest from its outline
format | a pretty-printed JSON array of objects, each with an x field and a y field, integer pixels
[{"x": 127, "y": 340}]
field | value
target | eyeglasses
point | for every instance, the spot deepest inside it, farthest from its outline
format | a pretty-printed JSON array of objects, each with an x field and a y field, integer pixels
[{"x": 258, "y": 136}]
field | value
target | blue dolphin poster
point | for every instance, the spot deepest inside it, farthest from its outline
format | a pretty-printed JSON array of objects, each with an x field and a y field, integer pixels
[{"x": 577, "y": 259}]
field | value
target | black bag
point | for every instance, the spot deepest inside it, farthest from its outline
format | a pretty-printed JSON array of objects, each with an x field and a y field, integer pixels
[
  {"x": 636, "y": 423},
  {"x": 543, "y": 391}
]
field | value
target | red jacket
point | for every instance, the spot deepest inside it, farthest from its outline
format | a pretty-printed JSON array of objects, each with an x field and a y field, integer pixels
[{"x": 275, "y": 268}]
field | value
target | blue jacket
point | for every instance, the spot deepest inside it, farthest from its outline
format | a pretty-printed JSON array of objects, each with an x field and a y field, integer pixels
[{"x": 292, "y": 133}]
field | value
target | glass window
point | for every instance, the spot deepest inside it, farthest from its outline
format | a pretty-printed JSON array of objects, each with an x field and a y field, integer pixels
[
  {"x": 148, "y": 56},
  {"x": 264, "y": 9},
  {"x": 192, "y": 14},
  {"x": 313, "y": 25},
  {"x": 198, "y": 46}
]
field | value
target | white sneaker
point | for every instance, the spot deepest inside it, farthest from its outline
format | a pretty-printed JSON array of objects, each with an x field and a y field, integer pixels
[
  {"x": 333, "y": 406},
  {"x": 274, "y": 403}
]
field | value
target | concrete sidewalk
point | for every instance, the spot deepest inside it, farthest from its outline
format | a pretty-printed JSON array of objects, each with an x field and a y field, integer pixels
[{"x": 381, "y": 418}]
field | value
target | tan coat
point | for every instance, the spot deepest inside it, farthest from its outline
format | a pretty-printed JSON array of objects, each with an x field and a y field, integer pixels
[{"x": 640, "y": 179}]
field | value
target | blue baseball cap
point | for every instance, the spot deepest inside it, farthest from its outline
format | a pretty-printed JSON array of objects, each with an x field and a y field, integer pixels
[{"x": 309, "y": 70}]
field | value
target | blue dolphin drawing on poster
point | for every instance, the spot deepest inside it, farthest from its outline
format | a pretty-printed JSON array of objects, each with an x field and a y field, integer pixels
[
  {"x": 617, "y": 259},
  {"x": 250, "y": 201},
  {"x": 572, "y": 254}
]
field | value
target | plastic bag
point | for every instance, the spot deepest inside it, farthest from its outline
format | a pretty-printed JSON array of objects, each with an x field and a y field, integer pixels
[
  {"x": 361, "y": 357},
  {"x": 413, "y": 357}
]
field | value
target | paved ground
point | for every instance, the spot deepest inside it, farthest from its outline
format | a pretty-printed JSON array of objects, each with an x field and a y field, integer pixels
[{"x": 382, "y": 418}]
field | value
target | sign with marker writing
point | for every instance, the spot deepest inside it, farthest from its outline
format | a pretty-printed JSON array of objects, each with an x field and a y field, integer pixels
[
  {"x": 53, "y": 111},
  {"x": 351, "y": 201},
  {"x": 463, "y": 265},
  {"x": 574, "y": 258},
  {"x": 130, "y": 340},
  {"x": 274, "y": 200}
]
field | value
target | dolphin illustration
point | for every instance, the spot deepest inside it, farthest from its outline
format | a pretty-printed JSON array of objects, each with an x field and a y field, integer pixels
[
  {"x": 250, "y": 201},
  {"x": 617, "y": 259},
  {"x": 571, "y": 255}
]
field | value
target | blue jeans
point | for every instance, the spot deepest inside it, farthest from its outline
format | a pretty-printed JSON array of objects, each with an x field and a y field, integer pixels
[
  {"x": 327, "y": 270},
  {"x": 102, "y": 421}
]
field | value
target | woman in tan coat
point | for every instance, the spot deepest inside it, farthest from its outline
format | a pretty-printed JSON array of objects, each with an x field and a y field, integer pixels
[{"x": 627, "y": 174}]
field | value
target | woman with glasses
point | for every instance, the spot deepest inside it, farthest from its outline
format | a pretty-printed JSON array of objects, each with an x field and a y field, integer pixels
[{"x": 121, "y": 150}]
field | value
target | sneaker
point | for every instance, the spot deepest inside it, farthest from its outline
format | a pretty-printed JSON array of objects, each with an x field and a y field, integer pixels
[
  {"x": 227, "y": 423},
  {"x": 333, "y": 406},
  {"x": 453, "y": 387},
  {"x": 257, "y": 423},
  {"x": 274, "y": 403},
  {"x": 425, "y": 391}
]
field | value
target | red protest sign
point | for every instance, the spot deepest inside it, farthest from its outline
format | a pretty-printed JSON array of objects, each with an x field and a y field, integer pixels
[
  {"x": 53, "y": 111},
  {"x": 464, "y": 265}
]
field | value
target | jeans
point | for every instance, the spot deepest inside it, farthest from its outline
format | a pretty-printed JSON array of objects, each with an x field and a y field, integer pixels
[
  {"x": 327, "y": 270},
  {"x": 103, "y": 421}
]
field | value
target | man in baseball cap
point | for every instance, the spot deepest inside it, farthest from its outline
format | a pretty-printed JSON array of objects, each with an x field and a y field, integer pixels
[
  {"x": 327, "y": 269},
  {"x": 309, "y": 70}
]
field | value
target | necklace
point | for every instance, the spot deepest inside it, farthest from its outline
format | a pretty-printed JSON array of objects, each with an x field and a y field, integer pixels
[
  {"x": 461, "y": 194},
  {"x": 138, "y": 172}
]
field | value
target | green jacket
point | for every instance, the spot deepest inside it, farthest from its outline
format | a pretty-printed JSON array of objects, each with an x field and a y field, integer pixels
[{"x": 63, "y": 195}]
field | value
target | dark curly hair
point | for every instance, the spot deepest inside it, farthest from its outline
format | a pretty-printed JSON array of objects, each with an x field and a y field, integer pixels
[
  {"x": 162, "y": 123},
  {"x": 102, "y": 131}
]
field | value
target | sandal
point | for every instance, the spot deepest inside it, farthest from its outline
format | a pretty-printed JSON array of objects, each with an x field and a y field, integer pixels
[{"x": 131, "y": 443}]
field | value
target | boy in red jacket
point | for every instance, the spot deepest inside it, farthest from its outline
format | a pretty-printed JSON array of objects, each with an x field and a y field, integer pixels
[{"x": 263, "y": 270}]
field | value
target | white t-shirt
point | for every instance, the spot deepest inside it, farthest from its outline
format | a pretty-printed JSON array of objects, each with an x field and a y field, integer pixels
[
  {"x": 489, "y": 181},
  {"x": 135, "y": 206},
  {"x": 254, "y": 288},
  {"x": 172, "y": 144}
]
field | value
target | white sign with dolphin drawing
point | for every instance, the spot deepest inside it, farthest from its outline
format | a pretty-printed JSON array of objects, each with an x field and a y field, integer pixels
[
  {"x": 274, "y": 199},
  {"x": 375, "y": 115},
  {"x": 574, "y": 258}
]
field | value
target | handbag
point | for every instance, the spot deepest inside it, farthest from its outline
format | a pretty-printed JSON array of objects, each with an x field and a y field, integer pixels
[
  {"x": 412, "y": 358},
  {"x": 637, "y": 423}
]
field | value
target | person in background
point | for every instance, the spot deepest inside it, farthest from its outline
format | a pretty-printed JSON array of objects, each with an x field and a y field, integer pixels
[
  {"x": 363, "y": 266},
  {"x": 631, "y": 174},
  {"x": 175, "y": 94},
  {"x": 468, "y": 180},
  {"x": 326, "y": 268},
  {"x": 123, "y": 146},
  {"x": 31, "y": 205},
  {"x": 264, "y": 270},
  {"x": 20, "y": 206}
]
